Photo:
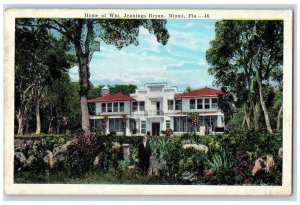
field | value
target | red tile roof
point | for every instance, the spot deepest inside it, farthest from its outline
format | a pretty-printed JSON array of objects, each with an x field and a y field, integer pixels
[
  {"x": 200, "y": 92},
  {"x": 112, "y": 97}
]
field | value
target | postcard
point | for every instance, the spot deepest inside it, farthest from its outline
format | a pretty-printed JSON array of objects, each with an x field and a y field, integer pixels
[{"x": 148, "y": 102}]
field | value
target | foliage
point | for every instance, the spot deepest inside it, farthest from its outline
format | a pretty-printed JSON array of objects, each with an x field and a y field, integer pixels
[
  {"x": 229, "y": 160},
  {"x": 244, "y": 57},
  {"x": 81, "y": 154},
  {"x": 82, "y": 37},
  {"x": 122, "y": 88},
  {"x": 178, "y": 160},
  {"x": 188, "y": 89},
  {"x": 194, "y": 116},
  {"x": 221, "y": 161},
  {"x": 168, "y": 132},
  {"x": 61, "y": 108},
  {"x": 40, "y": 61},
  {"x": 226, "y": 103},
  {"x": 273, "y": 177}
]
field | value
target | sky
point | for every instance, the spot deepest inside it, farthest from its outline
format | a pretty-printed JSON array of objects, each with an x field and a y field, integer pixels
[{"x": 180, "y": 63}]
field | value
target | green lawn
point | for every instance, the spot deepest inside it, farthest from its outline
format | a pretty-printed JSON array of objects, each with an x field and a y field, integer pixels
[{"x": 91, "y": 177}]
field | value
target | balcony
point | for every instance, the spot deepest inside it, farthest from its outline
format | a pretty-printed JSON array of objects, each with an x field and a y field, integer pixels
[{"x": 154, "y": 113}]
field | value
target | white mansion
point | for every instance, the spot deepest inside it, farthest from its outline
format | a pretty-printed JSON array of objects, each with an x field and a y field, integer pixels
[{"x": 155, "y": 108}]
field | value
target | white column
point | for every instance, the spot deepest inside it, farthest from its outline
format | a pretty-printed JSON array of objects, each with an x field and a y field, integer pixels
[
  {"x": 107, "y": 126},
  {"x": 128, "y": 127}
]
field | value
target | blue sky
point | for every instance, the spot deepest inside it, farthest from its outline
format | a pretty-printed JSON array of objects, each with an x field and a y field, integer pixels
[{"x": 179, "y": 63}]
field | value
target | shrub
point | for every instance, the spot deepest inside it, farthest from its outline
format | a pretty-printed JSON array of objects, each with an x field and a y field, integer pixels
[
  {"x": 81, "y": 154},
  {"x": 168, "y": 132},
  {"x": 179, "y": 161},
  {"x": 184, "y": 166},
  {"x": 220, "y": 168},
  {"x": 221, "y": 161}
]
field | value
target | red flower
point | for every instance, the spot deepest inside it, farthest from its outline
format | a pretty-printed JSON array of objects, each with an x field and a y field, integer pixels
[
  {"x": 248, "y": 181},
  {"x": 210, "y": 172}
]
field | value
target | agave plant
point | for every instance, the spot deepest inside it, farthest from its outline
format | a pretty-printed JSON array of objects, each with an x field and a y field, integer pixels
[
  {"x": 221, "y": 161},
  {"x": 159, "y": 147}
]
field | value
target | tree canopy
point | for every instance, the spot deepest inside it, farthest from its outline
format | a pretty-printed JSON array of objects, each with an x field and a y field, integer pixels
[
  {"x": 246, "y": 58},
  {"x": 40, "y": 60},
  {"x": 82, "y": 37}
]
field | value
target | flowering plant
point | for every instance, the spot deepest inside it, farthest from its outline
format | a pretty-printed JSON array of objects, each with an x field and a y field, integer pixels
[
  {"x": 168, "y": 132},
  {"x": 209, "y": 172},
  {"x": 81, "y": 153}
]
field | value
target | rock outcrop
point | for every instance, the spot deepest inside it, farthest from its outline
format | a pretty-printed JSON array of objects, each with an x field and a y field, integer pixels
[
  {"x": 263, "y": 163},
  {"x": 199, "y": 147}
]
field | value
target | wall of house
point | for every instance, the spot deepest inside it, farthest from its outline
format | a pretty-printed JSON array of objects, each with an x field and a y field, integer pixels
[{"x": 153, "y": 93}]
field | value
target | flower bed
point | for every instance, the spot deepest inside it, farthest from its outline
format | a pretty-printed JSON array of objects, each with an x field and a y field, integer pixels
[{"x": 185, "y": 159}]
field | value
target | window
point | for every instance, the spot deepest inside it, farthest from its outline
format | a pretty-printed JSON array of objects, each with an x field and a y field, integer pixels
[
  {"x": 134, "y": 106},
  {"x": 103, "y": 107},
  {"x": 143, "y": 127},
  {"x": 201, "y": 121},
  {"x": 115, "y": 125},
  {"x": 192, "y": 104},
  {"x": 116, "y": 107},
  {"x": 214, "y": 103},
  {"x": 200, "y": 103},
  {"x": 207, "y": 103},
  {"x": 121, "y": 106},
  {"x": 177, "y": 104},
  {"x": 98, "y": 125},
  {"x": 170, "y": 104},
  {"x": 156, "y": 89},
  {"x": 168, "y": 124},
  {"x": 142, "y": 106},
  {"x": 132, "y": 125},
  {"x": 109, "y": 107},
  {"x": 182, "y": 124}
]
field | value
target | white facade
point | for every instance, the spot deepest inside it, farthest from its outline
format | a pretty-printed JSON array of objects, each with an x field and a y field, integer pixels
[{"x": 155, "y": 108}]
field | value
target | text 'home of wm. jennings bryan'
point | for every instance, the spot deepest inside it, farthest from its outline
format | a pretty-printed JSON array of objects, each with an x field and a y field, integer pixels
[{"x": 144, "y": 16}]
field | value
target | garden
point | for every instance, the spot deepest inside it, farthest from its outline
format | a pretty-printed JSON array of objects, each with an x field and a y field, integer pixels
[{"x": 235, "y": 158}]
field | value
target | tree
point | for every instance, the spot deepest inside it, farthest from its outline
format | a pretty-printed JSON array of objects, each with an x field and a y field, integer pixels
[
  {"x": 61, "y": 105},
  {"x": 188, "y": 89},
  {"x": 40, "y": 59},
  {"x": 268, "y": 38},
  {"x": 242, "y": 58},
  {"x": 225, "y": 103},
  {"x": 83, "y": 37},
  {"x": 230, "y": 63},
  {"x": 126, "y": 89}
]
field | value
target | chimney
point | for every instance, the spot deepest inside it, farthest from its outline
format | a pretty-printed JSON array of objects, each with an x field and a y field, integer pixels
[{"x": 105, "y": 91}]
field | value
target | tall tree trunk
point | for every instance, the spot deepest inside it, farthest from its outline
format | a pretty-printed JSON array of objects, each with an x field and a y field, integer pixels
[
  {"x": 279, "y": 118},
  {"x": 84, "y": 86},
  {"x": 256, "y": 116},
  {"x": 38, "y": 117},
  {"x": 85, "y": 122},
  {"x": 264, "y": 107},
  {"x": 57, "y": 126},
  {"x": 50, "y": 127},
  {"x": 50, "y": 121},
  {"x": 246, "y": 120},
  {"x": 21, "y": 121},
  {"x": 27, "y": 126}
]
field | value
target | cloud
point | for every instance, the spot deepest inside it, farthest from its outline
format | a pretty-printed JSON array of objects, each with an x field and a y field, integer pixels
[
  {"x": 186, "y": 65},
  {"x": 179, "y": 63}
]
